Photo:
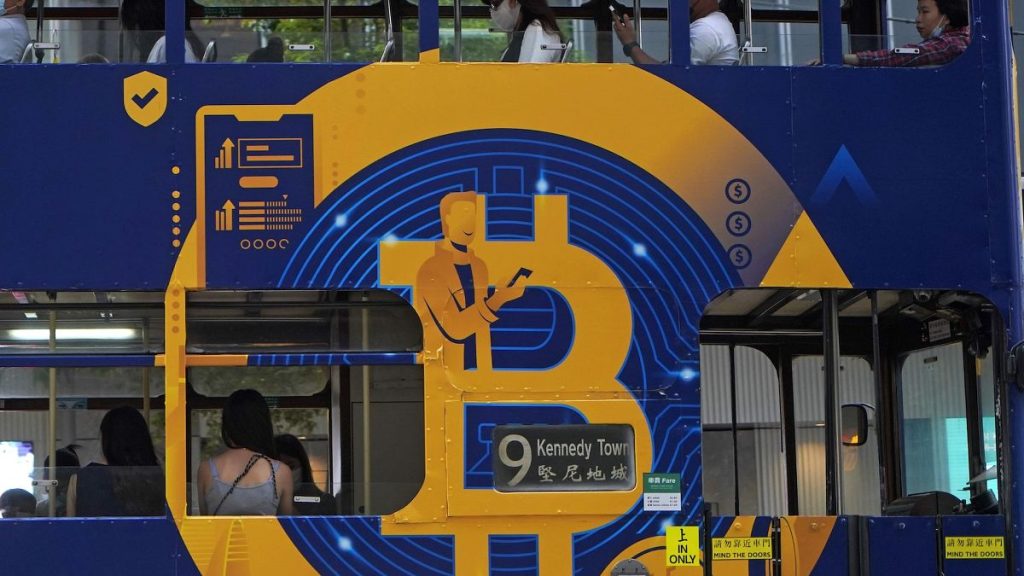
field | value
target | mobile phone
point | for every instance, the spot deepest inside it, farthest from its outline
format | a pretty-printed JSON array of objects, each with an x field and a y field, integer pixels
[{"x": 523, "y": 272}]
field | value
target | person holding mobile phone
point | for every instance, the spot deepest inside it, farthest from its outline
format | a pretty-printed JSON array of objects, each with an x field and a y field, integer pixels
[
  {"x": 533, "y": 30},
  {"x": 712, "y": 38}
]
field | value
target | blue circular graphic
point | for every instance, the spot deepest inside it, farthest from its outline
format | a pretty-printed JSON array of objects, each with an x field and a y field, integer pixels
[
  {"x": 664, "y": 254},
  {"x": 737, "y": 191},
  {"x": 740, "y": 256},
  {"x": 738, "y": 223}
]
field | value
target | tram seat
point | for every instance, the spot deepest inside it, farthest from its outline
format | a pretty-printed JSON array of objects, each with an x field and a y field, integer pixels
[
  {"x": 923, "y": 504},
  {"x": 210, "y": 54}
]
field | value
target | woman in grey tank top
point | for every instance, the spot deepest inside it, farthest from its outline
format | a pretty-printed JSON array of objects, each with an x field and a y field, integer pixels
[{"x": 244, "y": 479}]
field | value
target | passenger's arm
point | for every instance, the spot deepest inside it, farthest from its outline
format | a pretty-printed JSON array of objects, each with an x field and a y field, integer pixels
[
  {"x": 203, "y": 480},
  {"x": 72, "y": 497},
  {"x": 627, "y": 35},
  {"x": 285, "y": 491}
]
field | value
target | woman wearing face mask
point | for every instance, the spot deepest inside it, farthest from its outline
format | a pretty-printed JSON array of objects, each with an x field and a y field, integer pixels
[
  {"x": 308, "y": 499},
  {"x": 534, "y": 33},
  {"x": 943, "y": 26}
]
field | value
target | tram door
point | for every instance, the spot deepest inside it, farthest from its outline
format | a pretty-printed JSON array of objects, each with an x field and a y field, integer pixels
[{"x": 912, "y": 418}]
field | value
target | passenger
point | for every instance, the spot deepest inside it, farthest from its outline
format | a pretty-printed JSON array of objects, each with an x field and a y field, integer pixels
[
  {"x": 534, "y": 32},
  {"x": 67, "y": 466},
  {"x": 272, "y": 52},
  {"x": 17, "y": 503},
  {"x": 308, "y": 499},
  {"x": 944, "y": 28},
  {"x": 131, "y": 482},
  {"x": 13, "y": 31},
  {"x": 712, "y": 38},
  {"x": 144, "y": 19},
  {"x": 244, "y": 479}
]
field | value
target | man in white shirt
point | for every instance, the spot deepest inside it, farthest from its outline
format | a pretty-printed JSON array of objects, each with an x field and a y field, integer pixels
[
  {"x": 13, "y": 31},
  {"x": 712, "y": 38}
]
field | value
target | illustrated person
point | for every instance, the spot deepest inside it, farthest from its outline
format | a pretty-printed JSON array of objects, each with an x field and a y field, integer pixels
[
  {"x": 308, "y": 499},
  {"x": 453, "y": 288},
  {"x": 533, "y": 28},
  {"x": 712, "y": 38},
  {"x": 245, "y": 479},
  {"x": 131, "y": 482}
]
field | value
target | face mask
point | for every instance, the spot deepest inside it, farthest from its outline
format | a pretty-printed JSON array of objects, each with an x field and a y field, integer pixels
[
  {"x": 505, "y": 18},
  {"x": 939, "y": 28}
]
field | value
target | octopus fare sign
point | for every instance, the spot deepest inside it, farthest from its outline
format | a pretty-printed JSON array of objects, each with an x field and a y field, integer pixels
[{"x": 563, "y": 458}]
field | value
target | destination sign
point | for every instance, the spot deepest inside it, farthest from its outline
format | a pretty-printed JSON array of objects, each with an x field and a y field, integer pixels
[{"x": 563, "y": 458}]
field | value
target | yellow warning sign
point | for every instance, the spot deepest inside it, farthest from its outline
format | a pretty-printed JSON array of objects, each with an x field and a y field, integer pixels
[
  {"x": 682, "y": 546},
  {"x": 974, "y": 547},
  {"x": 741, "y": 548}
]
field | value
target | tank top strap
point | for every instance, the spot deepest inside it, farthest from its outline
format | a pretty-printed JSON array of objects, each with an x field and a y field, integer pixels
[{"x": 213, "y": 469}]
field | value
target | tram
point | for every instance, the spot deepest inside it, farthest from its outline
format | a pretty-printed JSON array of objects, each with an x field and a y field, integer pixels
[{"x": 582, "y": 318}]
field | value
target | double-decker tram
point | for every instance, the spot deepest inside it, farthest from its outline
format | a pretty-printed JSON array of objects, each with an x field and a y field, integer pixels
[{"x": 345, "y": 288}]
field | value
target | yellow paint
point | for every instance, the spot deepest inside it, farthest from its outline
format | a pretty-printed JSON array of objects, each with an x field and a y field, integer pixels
[
  {"x": 217, "y": 360},
  {"x": 682, "y": 546},
  {"x": 241, "y": 546},
  {"x": 974, "y": 548},
  {"x": 803, "y": 539},
  {"x": 805, "y": 260}
]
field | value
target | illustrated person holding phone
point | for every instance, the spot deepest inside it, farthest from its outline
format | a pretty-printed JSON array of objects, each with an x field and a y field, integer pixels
[
  {"x": 452, "y": 288},
  {"x": 712, "y": 38},
  {"x": 945, "y": 32}
]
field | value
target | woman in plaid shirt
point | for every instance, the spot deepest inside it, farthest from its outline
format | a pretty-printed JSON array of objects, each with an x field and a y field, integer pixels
[{"x": 943, "y": 24}]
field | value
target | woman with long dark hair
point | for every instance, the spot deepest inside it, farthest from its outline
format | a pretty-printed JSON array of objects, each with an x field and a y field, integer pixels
[
  {"x": 143, "y": 23},
  {"x": 245, "y": 479},
  {"x": 534, "y": 33},
  {"x": 131, "y": 482}
]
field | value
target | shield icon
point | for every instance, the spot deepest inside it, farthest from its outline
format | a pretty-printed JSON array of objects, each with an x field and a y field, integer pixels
[{"x": 145, "y": 97}]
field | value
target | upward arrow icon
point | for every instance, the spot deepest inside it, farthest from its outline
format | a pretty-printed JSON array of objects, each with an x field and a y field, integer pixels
[{"x": 844, "y": 167}]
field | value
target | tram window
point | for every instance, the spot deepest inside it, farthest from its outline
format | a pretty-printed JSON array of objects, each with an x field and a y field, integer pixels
[
  {"x": 351, "y": 472},
  {"x": 859, "y": 463},
  {"x": 761, "y": 465},
  {"x": 87, "y": 322},
  {"x": 74, "y": 41},
  {"x": 934, "y": 421},
  {"x": 361, "y": 39},
  {"x": 580, "y": 40},
  {"x": 301, "y": 321},
  {"x": 85, "y": 396},
  {"x": 901, "y": 33}
]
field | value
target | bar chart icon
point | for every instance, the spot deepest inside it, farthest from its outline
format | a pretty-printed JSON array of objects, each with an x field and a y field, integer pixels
[{"x": 226, "y": 157}]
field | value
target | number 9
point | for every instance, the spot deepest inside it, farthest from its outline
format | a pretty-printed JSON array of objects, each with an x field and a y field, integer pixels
[{"x": 523, "y": 463}]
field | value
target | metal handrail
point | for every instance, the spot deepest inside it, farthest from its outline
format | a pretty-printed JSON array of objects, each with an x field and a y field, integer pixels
[
  {"x": 389, "y": 22},
  {"x": 637, "y": 18},
  {"x": 457, "y": 25}
]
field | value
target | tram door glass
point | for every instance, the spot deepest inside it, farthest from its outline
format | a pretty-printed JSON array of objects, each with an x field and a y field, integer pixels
[
  {"x": 859, "y": 464},
  {"x": 757, "y": 459},
  {"x": 933, "y": 422}
]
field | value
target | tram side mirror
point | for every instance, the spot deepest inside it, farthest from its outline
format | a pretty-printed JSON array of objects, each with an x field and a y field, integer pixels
[{"x": 854, "y": 424}]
